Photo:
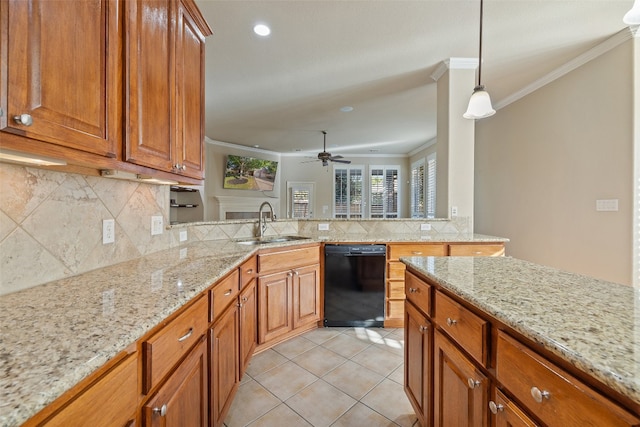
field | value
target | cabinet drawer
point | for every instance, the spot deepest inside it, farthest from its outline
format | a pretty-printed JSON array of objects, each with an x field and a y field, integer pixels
[
  {"x": 468, "y": 249},
  {"x": 556, "y": 397},
  {"x": 284, "y": 260},
  {"x": 419, "y": 293},
  {"x": 395, "y": 289},
  {"x": 508, "y": 414},
  {"x": 165, "y": 348},
  {"x": 248, "y": 271},
  {"x": 396, "y": 251},
  {"x": 115, "y": 395},
  {"x": 464, "y": 327},
  {"x": 395, "y": 270},
  {"x": 223, "y": 293}
]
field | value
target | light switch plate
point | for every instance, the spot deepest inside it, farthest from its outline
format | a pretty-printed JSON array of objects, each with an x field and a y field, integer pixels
[
  {"x": 156, "y": 225},
  {"x": 607, "y": 205},
  {"x": 183, "y": 235},
  {"x": 323, "y": 227}
]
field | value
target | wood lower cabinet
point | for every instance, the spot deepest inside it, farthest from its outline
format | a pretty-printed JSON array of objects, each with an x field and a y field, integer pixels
[
  {"x": 395, "y": 293},
  {"x": 183, "y": 399},
  {"x": 469, "y": 353},
  {"x": 507, "y": 413},
  {"x": 225, "y": 363},
  {"x": 248, "y": 324},
  {"x": 418, "y": 365},
  {"x": 460, "y": 390},
  {"x": 62, "y": 73},
  {"x": 289, "y": 299}
]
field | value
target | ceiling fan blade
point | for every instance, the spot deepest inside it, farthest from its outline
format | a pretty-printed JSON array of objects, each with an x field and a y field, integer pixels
[
  {"x": 336, "y": 157},
  {"x": 340, "y": 161}
]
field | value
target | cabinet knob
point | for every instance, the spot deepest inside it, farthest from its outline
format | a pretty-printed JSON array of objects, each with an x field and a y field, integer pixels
[
  {"x": 423, "y": 329},
  {"x": 24, "y": 119},
  {"x": 184, "y": 167},
  {"x": 162, "y": 411},
  {"x": 538, "y": 395},
  {"x": 495, "y": 407},
  {"x": 413, "y": 290},
  {"x": 472, "y": 383},
  {"x": 250, "y": 271},
  {"x": 228, "y": 292},
  {"x": 416, "y": 252},
  {"x": 451, "y": 322},
  {"x": 296, "y": 272},
  {"x": 290, "y": 274}
]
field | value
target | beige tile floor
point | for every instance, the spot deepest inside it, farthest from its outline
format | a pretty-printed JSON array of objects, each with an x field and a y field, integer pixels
[{"x": 340, "y": 377}]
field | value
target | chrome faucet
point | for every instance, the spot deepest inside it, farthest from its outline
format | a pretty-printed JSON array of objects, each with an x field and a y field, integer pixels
[{"x": 262, "y": 224}]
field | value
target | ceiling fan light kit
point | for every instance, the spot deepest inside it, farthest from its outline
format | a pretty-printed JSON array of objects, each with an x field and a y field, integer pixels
[
  {"x": 633, "y": 16},
  {"x": 326, "y": 157},
  {"x": 480, "y": 101}
]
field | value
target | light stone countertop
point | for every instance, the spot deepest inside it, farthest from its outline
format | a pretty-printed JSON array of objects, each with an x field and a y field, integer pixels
[
  {"x": 54, "y": 335},
  {"x": 592, "y": 324}
]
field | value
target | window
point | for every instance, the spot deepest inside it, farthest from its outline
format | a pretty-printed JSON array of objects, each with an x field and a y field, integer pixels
[
  {"x": 423, "y": 188},
  {"x": 431, "y": 185},
  {"x": 384, "y": 192},
  {"x": 347, "y": 189},
  {"x": 418, "y": 193},
  {"x": 300, "y": 199}
]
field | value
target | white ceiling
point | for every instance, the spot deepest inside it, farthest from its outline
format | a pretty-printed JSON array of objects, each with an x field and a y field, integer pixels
[{"x": 377, "y": 56}]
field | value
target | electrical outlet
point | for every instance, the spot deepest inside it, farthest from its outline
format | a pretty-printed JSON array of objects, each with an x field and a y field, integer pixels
[
  {"x": 454, "y": 211},
  {"x": 183, "y": 235},
  {"x": 425, "y": 227},
  {"x": 108, "y": 231},
  {"x": 323, "y": 227},
  {"x": 607, "y": 205},
  {"x": 156, "y": 225}
]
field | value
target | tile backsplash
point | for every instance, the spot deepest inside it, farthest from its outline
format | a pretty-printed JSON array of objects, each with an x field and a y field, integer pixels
[{"x": 51, "y": 223}]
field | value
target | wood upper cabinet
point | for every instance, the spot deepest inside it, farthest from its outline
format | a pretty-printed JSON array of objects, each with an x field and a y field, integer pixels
[
  {"x": 60, "y": 73},
  {"x": 183, "y": 399},
  {"x": 165, "y": 86},
  {"x": 460, "y": 390}
]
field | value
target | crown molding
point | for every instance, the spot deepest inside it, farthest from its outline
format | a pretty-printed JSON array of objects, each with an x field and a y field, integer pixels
[
  {"x": 454, "y": 64},
  {"x": 241, "y": 147},
  {"x": 612, "y": 42},
  {"x": 429, "y": 143}
]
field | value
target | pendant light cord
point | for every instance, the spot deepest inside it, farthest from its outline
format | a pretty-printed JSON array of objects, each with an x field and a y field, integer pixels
[{"x": 480, "y": 54}]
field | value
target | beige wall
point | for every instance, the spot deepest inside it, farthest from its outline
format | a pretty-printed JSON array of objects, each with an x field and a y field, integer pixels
[{"x": 543, "y": 161}]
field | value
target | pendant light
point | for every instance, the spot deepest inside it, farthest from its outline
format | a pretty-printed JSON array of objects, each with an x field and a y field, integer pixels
[
  {"x": 633, "y": 16},
  {"x": 480, "y": 102}
]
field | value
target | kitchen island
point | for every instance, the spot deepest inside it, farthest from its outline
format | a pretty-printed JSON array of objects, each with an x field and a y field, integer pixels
[
  {"x": 510, "y": 319},
  {"x": 58, "y": 334}
]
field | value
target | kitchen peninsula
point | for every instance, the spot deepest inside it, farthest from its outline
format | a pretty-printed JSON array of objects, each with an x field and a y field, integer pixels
[
  {"x": 525, "y": 342},
  {"x": 56, "y": 335}
]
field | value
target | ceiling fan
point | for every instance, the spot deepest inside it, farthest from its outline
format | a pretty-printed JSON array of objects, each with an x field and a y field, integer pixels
[{"x": 327, "y": 157}]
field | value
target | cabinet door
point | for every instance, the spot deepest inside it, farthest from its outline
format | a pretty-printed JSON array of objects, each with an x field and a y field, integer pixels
[
  {"x": 150, "y": 80},
  {"x": 460, "y": 390},
  {"x": 189, "y": 134},
  {"x": 507, "y": 414},
  {"x": 62, "y": 70},
  {"x": 306, "y": 295},
  {"x": 225, "y": 363},
  {"x": 183, "y": 399},
  {"x": 274, "y": 295},
  {"x": 248, "y": 324},
  {"x": 417, "y": 367}
]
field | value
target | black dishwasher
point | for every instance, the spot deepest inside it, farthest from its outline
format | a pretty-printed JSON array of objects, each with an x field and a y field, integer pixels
[{"x": 354, "y": 285}]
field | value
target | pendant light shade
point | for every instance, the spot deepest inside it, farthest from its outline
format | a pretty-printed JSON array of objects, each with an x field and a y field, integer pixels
[
  {"x": 479, "y": 105},
  {"x": 480, "y": 102},
  {"x": 633, "y": 16}
]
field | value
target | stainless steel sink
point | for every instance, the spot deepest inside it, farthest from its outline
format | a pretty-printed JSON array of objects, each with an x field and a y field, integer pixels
[{"x": 270, "y": 239}]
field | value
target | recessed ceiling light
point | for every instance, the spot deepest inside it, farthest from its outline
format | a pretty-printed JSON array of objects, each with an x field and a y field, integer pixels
[
  {"x": 262, "y": 30},
  {"x": 346, "y": 109}
]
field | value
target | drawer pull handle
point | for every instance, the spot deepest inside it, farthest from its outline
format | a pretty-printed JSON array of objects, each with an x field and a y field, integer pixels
[
  {"x": 451, "y": 322},
  {"x": 472, "y": 383},
  {"x": 413, "y": 290},
  {"x": 416, "y": 252},
  {"x": 250, "y": 271},
  {"x": 185, "y": 336},
  {"x": 162, "y": 411},
  {"x": 226, "y": 294},
  {"x": 538, "y": 395},
  {"x": 495, "y": 407}
]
